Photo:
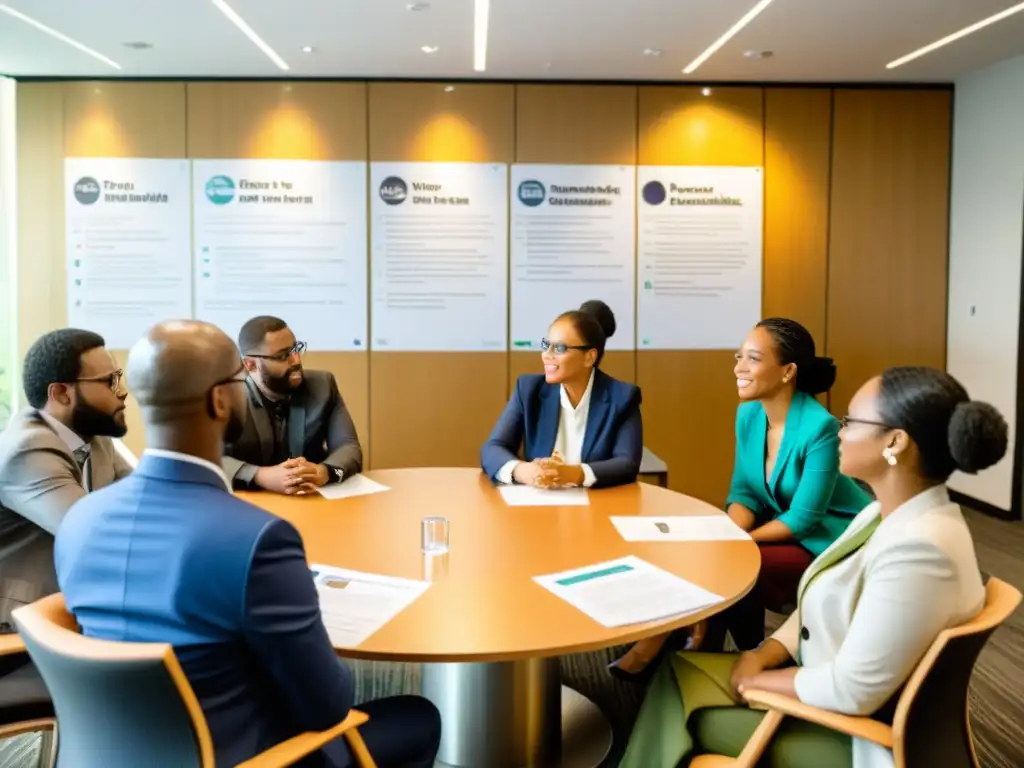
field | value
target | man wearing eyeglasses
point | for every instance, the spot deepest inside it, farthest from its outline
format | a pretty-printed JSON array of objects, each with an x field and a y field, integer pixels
[
  {"x": 298, "y": 434},
  {"x": 52, "y": 454}
]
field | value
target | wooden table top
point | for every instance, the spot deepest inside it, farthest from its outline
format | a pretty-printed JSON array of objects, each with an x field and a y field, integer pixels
[{"x": 483, "y": 604}]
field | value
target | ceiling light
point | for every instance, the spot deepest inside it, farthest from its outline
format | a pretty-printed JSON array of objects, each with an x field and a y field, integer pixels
[
  {"x": 60, "y": 36},
  {"x": 449, "y": 89},
  {"x": 429, "y": 48},
  {"x": 956, "y": 36},
  {"x": 749, "y": 17},
  {"x": 481, "y": 16},
  {"x": 652, "y": 51},
  {"x": 138, "y": 46},
  {"x": 758, "y": 54},
  {"x": 417, "y": 6},
  {"x": 307, "y": 49},
  {"x": 239, "y": 22},
  {"x": 705, "y": 91}
]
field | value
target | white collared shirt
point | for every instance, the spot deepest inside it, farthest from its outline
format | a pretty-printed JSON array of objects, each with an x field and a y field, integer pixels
[
  {"x": 572, "y": 430},
  {"x": 69, "y": 436},
  {"x": 159, "y": 453}
]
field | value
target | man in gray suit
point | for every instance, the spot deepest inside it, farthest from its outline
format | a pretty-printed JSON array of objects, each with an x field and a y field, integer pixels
[
  {"x": 298, "y": 433},
  {"x": 52, "y": 454}
]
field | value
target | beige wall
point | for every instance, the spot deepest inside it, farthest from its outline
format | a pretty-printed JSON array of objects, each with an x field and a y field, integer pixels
[{"x": 856, "y": 184}]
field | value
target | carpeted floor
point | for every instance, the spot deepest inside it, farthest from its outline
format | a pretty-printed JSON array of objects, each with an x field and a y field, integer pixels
[{"x": 997, "y": 689}]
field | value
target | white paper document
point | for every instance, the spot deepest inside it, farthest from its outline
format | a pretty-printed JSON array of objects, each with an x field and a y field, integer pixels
[
  {"x": 627, "y": 591},
  {"x": 688, "y": 528},
  {"x": 354, "y": 605},
  {"x": 529, "y": 496},
  {"x": 357, "y": 485}
]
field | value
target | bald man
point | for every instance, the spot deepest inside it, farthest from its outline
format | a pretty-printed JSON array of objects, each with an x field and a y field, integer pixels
[{"x": 170, "y": 555}]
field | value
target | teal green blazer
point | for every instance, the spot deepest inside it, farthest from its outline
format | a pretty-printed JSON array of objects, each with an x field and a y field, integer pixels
[{"x": 805, "y": 491}]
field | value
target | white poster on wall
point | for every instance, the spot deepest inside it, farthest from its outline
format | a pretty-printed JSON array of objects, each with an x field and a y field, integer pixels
[
  {"x": 127, "y": 241},
  {"x": 284, "y": 238},
  {"x": 573, "y": 235},
  {"x": 439, "y": 256},
  {"x": 699, "y": 254}
]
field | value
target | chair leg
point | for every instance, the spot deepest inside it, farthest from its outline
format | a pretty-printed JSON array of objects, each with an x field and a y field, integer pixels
[
  {"x": 355, "y": 743},
  {"x": 48, "y": 747}
]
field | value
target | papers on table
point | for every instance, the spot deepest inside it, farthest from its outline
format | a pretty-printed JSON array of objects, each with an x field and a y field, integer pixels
[
  {"x": 687, "y": 528},
  {"x": 627, "y": 591},
  {"x": 354, "y": 605},
  {"x": 529, "y": 496},
  {"x": 357, "y": 485}
]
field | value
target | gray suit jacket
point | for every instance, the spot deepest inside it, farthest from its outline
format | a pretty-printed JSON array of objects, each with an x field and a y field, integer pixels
[
  {"x": 39, "y": 481},
  {"x": 319, "y": 429}
]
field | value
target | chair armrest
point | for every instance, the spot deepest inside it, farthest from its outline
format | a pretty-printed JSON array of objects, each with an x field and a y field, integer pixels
[
  {"x": 859, "y": 727},
  {"x": 10, "y": 644},
  {"x": 297, "y": 747}
]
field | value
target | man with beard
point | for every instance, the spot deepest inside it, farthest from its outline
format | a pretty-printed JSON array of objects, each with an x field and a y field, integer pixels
[
  {"x": 52, "y": 454},
  {"x": 298, "y": 433},
  {"x": 171, "y": 556}
]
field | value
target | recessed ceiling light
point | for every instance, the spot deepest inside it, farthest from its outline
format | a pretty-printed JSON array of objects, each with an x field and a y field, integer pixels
[
  {"x": 652, "y": 51},
  {"x": 758, "y": 54},
  {"x": 138, "y": 46},
  {"x": 308, "y": 49},
  {"x": 481, "y": 19},
  {"x": 449, "y": 88},
  {"x": 429, "y": 48},
  {"x": 705, "y": 91},
  {"x": 417, "y": 6},
  {"x": 956, "y": 36},
  {"x": 249, "y": 32},
  {"x": 747, "y": 18},
  {"x": 59, "y": 35}
]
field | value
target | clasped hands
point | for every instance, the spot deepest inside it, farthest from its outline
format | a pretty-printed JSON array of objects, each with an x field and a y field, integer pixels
[
  {"x": 294, "y": 477},
  {"x": 551, "y": 472}
]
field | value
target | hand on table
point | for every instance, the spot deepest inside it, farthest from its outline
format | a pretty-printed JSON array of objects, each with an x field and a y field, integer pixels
[
  {"x": 294, "y": 477},
  {"x": 555, "y": 473}
]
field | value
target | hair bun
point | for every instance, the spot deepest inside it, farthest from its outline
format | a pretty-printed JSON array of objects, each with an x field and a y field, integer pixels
[
  {"x": 978, "y": 436},
  {"x": 602, "y": 313},
  {"x": 817, "y": 376}
]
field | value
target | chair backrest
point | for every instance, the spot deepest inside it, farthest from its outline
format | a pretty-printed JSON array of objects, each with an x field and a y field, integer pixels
[
  {"x": 931, "y": 726},
  {"x": 119, "y": 705}
]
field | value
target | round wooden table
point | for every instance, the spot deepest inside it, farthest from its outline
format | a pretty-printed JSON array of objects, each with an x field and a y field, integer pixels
[{"x": 489, "y": 637}]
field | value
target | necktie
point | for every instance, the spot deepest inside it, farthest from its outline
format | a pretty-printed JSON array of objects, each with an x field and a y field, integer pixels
[
  {"x": 83, "y": 457},
  {"x": 830, "y": 559}
]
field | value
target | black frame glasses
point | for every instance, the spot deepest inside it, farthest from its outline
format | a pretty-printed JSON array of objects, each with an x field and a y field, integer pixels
[
  {"x": 299, "y": 348},
  {"x": 561, "y": 349},
  {"x": 846, "y": 421},
  {"x": 112, "y": 380}
]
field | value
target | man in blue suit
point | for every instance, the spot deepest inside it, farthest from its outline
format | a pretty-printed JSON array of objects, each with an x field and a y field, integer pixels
[{"x": 169, "y": 555}]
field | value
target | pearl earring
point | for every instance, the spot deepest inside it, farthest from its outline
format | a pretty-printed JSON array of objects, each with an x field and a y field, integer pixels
[{"x": 890, "y": 457}]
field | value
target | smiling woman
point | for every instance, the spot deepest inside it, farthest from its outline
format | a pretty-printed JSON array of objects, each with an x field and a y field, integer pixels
[{"x": 576, "y": 425}]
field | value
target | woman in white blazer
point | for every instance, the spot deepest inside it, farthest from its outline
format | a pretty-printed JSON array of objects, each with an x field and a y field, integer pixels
[{"x": 868, "y": 607}]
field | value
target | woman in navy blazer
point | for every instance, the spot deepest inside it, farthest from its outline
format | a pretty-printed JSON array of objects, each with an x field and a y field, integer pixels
[{"x": 577, "y": 426}]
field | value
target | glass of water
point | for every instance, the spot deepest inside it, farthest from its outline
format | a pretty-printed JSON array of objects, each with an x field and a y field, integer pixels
[{"x": 435, "y": 535}]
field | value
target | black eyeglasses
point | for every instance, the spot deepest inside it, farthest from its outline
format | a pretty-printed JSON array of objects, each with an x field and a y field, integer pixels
[
  {"x": 283, "y": 355},
  {"x": 559, "y": 348},
  {"x": 846, "y": 421},
  {"x": 112, "y": 380}
]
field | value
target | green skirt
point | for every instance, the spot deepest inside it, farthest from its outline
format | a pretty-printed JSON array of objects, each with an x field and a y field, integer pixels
[{"x": 689, "y": 710}]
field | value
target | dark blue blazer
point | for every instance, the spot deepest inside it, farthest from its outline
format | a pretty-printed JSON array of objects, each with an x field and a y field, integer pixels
[
  {"x": 169, "y": 555},
  {"x": 614, "y": 442}
]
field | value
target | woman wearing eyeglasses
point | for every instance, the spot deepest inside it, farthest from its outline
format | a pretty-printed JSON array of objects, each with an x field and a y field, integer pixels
[
  {"x": 576, "y": 425},
  {"x": 869, "y": 606},
  {"x": 786, "y": 490}
]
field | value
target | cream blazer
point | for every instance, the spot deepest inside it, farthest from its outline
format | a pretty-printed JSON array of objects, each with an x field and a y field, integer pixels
[{"x": 864, "y": 624}]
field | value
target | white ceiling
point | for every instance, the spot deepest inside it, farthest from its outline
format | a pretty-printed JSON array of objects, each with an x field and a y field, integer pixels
[{"x": 813, "y": 40}]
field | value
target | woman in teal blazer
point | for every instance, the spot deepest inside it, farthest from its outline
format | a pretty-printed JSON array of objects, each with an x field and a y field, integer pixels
[{"x": 786, "y": 488}]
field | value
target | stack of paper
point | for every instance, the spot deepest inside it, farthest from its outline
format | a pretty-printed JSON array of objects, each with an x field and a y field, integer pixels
[
  {"x": 529, "y": 496},
  {"x": 688, "y": 528},
  {"x": 627, "y": 591},
  {"x": 354, "y": 605},
  {"x": 357, "y": 485}
]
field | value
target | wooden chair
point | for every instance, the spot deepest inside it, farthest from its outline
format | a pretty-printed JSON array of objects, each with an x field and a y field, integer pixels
[
  {"x": 931, "y": 726},
  {"x": 25, "y": 706},
  {"x": 130, "y": 704}
]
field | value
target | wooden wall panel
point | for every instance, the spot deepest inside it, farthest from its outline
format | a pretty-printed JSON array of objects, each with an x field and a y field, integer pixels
[
  {"x": 888, "y": 261},
  {"x": 437, "y": 408},
  {"x": 690, "y": 396},
  {"x": 576, "y": 124},
  {"x": 294, "y": 121}
]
